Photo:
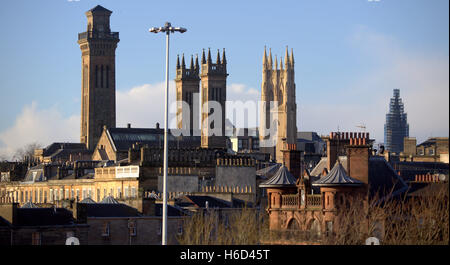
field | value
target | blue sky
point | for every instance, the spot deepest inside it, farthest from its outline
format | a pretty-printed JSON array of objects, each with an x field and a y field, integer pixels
[{"x": 349, "y": 54}]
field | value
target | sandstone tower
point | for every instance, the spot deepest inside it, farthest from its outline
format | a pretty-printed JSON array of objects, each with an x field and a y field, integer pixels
[
  {"x": 188, "y": 86},
  {"x": 214, "y": 82},
  {"x": 98, "y": 90},
  {"x": 278, "y": 85}
]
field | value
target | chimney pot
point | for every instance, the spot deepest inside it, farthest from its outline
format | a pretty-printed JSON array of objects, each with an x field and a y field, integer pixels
[{"x": 129, "y": 125}]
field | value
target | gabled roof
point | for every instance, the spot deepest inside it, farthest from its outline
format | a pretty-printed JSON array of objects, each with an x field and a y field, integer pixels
[
  {"x": 337, "y": 177},
  {"x": 55, "y": 148},
  {"x": 124, "y": 138},
  {"x": 283, "y": 178}
]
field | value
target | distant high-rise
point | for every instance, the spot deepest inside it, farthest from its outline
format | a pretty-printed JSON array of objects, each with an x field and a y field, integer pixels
[{"x": 396, "y": 127}]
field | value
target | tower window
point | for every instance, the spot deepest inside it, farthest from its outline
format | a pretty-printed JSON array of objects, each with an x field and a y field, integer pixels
[
  {"x": 101, "y": 79},
  {"x": 96, "y": 76},
  {"x": 107, "y": 76}
]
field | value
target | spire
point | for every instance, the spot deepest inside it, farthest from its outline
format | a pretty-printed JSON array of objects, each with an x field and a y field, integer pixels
[
  {"x": 224, "y": 59},
  {"x": 218, "y": 57},
  {"x": 292, "y": 58},
  {"x": 276, "y": 63},
  {"x": 264, "y": 58},
  {"x": 203, "y": 56},
  {"x": 192, "y": 62},
  {"x": 270, "y": 58},
  {"x": 281, "y": 63},
  {"x": 183, "y": 65},
  {"x": 196, "y": 62},
  {"x": 209, "y": 60},
  {"x": 286, "y": 58},
  {"x": 178, "y": 61}
]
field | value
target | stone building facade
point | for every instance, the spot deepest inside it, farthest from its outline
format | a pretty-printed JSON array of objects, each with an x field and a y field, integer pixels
[{"x": 312, "y": 205}]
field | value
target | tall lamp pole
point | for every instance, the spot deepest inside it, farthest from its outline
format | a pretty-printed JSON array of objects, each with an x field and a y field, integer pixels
[{"x": 167, "y": 29}]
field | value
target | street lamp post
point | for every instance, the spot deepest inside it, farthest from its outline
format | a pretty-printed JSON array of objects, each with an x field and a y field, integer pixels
[{"x": 167, "y": 29}]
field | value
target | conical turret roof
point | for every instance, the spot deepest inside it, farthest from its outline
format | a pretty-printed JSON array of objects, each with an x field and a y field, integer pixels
[
  {"x": 337, "y": 177},
  {"x": 283, "y": 178}
]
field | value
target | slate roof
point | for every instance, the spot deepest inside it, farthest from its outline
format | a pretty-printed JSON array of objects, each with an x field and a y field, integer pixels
[
  {"x": 317, "y": 170},
  {"x": 54, "y": 148},
  {"x": 408, "y": 170},
  {"x": 337, "y": 177},
  {"x": 283, "y": 178},
  {"x": 124, "y": 138},
  {"x": 43, "y": 217},
  {"x": 383, "y": 179},
  {"x": 109, "y": 200},
  {"x": 269, "y": 171},
  {"x": 200, "y": 202},
  {"x": 87, "y": 200},
  {"x": 35, "y": 173},
  {"x": 29, "y": 205},
  {"x": 308, "y": 137},
  {"x": 171, "y": 210},
  {"x": 110, "y": 210}
]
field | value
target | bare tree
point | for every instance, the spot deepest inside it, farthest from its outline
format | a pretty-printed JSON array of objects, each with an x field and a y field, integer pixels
[{"x": 26, "y": 152}]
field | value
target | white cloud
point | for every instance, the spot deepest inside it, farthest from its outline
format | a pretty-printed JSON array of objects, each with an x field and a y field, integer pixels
[
  {"x": 43, "y": 126},
  {"x": 142, "y": 106}
]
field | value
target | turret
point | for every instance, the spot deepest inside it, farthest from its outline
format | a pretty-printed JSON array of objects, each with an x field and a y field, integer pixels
[
  {"x": 183, "y": 65},
  {"x": 218, "y": 57},
  {"x": 224, "y": 59}
]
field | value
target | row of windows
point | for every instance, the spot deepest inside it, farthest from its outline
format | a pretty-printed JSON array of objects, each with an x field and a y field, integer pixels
[
  {"x": 42, "y": 196},
  {"x": 102, "y": 76}
]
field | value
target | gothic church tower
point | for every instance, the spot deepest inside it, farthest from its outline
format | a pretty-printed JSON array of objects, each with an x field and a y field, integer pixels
[
  {"x": 214, "y": 83},
  {"x": 98, "y": 90},
  {"x": 278, "y": 85},
  {"x": 188, "y": 85}
]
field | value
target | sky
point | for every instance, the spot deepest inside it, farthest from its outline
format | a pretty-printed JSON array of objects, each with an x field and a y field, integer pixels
[{"x": 349, "y": 56}]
